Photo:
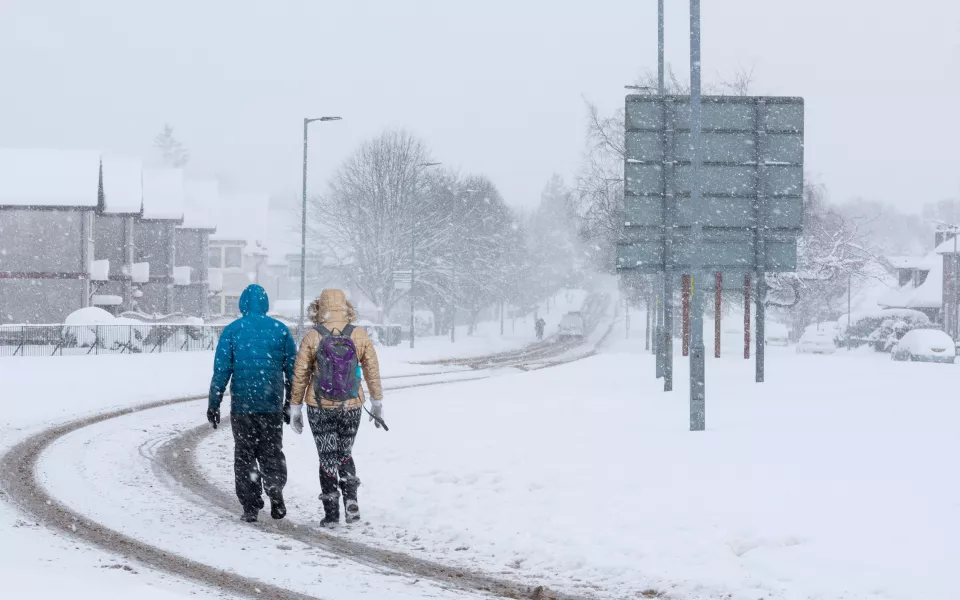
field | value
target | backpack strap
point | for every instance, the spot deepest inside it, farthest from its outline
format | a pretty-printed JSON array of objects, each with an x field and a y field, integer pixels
[
  {"x": 323, "y": 331},
  {"x": 348, "y": 330}
]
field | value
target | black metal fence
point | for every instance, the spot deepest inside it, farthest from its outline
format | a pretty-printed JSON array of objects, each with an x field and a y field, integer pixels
[{"x": 60, "y": 340}]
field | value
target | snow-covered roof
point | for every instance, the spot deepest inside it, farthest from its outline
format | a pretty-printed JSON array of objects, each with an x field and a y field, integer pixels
[
  {"x": 49, "y": 178},
  {"x": 201, "y": 203},
  {"x": 163, "y": 193},
  {"x": 243, "y": 216},
  {"x": 929, "y": 294},
  {"x": 122, "y": 186},
  {"x": 922, "y": 263},
  {"x": 948, "y": 247}
]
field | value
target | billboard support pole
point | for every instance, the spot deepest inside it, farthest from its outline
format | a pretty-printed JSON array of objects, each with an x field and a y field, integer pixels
[
  {"x": 686, "y": 314},
  {"x": 746, "y": 316},
  {"x": 697, "y": 359},
  {"x": 717, "y": 308}
]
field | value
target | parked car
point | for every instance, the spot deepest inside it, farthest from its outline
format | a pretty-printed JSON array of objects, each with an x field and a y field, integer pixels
[
  {"x": 571, "y": 326},
  {"x": 927, "y": 345},
  {"x": 816, "y": 342},
  {"x": 777, "y": 335}
]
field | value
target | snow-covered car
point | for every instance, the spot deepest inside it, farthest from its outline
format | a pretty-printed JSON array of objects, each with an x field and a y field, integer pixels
[
  {"x": 571, "y": 326},
  {"x": 776, "y": 335},
  {"x": 816, "y": 342},
  {"x": 927, "y": 345}
]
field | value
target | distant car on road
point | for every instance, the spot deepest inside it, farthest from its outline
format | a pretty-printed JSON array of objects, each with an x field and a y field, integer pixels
[
  {"x": 571, "y": 326},
  {"x": 816, "y": 342},
  {"x": 926, "y": 345}
]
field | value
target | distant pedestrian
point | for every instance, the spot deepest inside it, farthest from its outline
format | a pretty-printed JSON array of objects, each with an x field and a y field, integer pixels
[
  {"x": 332, "y": 358},
  {"x": 540, "y": 326},
  {"x": 256, "y": 356}
]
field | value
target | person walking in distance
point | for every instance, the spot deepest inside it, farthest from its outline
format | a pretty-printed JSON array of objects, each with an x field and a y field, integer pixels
[
  {"x": 327, "y": 377},
  {"x": 256, "y": 356},
  {"x": 540, "y": 326}
]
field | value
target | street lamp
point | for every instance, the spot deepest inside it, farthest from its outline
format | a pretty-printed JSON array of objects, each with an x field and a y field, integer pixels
[
  {"x": 453, "y": 311},
  {"x": 303, "y": 228},
  {"x": 413, "y": 259}
]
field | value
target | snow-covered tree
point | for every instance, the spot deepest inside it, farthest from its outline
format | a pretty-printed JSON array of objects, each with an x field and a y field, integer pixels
[{"x": 171, "y": 150}]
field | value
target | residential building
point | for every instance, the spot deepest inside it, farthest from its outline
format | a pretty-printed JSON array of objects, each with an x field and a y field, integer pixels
[
  {"x": 48, "y": 199},
  {"x": 119, "y": 210},
  {"x": 155, "y": 239}
]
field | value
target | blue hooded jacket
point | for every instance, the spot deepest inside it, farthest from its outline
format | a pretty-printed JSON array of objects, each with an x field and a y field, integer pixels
[{"x": 258, "y": 354}]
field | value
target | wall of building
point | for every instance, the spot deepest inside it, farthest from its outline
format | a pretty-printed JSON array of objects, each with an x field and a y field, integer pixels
[{"x": 42, "y": 265}]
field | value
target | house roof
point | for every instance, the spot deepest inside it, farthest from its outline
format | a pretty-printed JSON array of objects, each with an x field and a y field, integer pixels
[
  {"x": 948, "y": 247},
  {"x": 49, "y": 178},
  {"x": 201, "y": 204},
  {"x": 163, "y": 193},
  {"x": 242, "y": 217},
  {"x": 929, "y": 294},
  {"x": 923, "y": 263},
  {"x": 122, "y": 186}
]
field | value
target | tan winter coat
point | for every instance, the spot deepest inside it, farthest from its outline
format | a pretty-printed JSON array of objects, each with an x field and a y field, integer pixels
[{"x": 333, "y": 311}]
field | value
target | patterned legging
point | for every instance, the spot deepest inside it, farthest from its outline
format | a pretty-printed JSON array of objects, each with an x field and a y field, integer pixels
[{"x": 334, "y": 431}]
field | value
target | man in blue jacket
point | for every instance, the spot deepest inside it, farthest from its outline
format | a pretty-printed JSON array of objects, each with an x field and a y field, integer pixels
[{"x": 257, "y": 353}]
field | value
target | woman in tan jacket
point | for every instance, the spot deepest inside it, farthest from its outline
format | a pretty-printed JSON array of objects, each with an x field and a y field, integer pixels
[{"x": 334, "y": 423}]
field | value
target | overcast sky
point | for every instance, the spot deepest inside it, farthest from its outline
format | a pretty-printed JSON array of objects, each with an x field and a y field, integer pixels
[{"x": 493, "y": 86}]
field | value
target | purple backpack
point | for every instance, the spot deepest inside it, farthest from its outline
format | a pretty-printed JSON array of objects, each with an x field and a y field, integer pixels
[{"x": 337, "y": 376}]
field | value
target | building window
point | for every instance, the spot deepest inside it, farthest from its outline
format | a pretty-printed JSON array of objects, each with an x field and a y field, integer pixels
[
  {"x": 216, "y": 305},
  {"x": 214, "y": 258},
  {"x": 314, "y": 269},
  {"x": 231, "y": 305},
  {"x": 232, "y": 257}
]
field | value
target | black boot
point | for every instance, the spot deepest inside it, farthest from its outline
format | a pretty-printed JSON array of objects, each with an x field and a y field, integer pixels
[
  {"x": 278, "y": 509},
  {"x": 331, "y": 510},
  {"x": 352, "y": 510},
  {"x": 250, "y": 514}
]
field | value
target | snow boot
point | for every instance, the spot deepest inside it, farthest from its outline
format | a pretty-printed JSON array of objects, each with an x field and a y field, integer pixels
[
  {"x": 331, "y": 510},
  {"x": 250, "y": 515},
  {"x": 278, "y": 509},
  {"x": 352, "y": 510}
]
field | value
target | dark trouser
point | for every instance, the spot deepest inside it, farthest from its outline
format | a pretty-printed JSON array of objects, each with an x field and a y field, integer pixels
[
  {"x": 258, "y": 461},
  {"x": 334, "y": 430}
]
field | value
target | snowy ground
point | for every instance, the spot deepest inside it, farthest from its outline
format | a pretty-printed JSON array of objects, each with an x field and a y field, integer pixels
[
  {"x": 831, "y": 480},
  {"x": 827, "y": 481}
]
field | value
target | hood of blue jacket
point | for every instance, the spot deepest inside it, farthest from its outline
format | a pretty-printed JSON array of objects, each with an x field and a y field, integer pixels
[{"x": 254, "y": 301}]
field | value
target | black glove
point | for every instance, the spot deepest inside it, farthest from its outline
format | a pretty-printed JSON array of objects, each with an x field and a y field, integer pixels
[
  {"x": 213, "y": 415},
  {"x": 286, "y": 412}
]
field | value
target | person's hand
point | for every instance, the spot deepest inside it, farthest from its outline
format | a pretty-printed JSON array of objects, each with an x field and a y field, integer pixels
[
  {"x": 376, "y": 412},
  {"x": 286, "y": 412},
  {"x": 296, "y": 418},
  {"x": 213, "y": 416}
]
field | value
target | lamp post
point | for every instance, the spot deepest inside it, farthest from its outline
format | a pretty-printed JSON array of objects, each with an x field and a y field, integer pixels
[
  {"x": 303, "y": 227},
  {"x": 453, "y": 269},
  {"x": 413, "y": 260}
]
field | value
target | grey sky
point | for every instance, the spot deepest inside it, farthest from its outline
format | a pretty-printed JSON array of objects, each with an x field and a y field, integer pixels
[{"x": 495, "y": 86}]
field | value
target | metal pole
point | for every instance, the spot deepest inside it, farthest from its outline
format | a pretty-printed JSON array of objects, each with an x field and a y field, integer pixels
[
  {"x": 746, "y": 316},
  {"x": 658, "y": 333},
  {"x": 685, "y": 307},
  {"x": 761, "y": 323},
  {"x": 413, "y": 258},
  {"x": 849, "y": 303},
  {"x": 660, "y": 85},
  {"x": 668, "y": 331},
  {"x": 717, "y": 312},
  {"x": 697, "y": 359},
  {"x": 956, "y": 304},
  {"x": 646, "y": 330},
  {"x": 303, "y": 238}
]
